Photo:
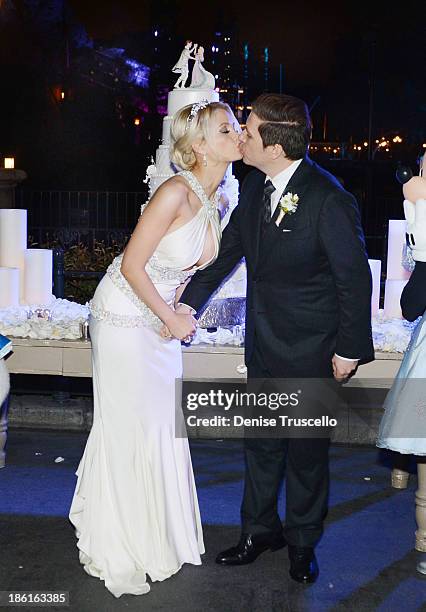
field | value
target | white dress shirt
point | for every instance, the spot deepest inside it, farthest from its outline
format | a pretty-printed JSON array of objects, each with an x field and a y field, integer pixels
[{"x": 280, "y": 182}]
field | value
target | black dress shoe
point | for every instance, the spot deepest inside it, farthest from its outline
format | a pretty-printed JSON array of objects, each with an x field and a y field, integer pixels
[
  {"x": 303, "y": 564},
  {"x": 249, "y": 548}
]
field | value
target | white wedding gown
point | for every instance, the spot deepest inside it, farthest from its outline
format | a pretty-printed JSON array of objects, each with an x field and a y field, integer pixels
[
  {"x": 201, "y": 77},
  {"x": 135, "y": 507}
]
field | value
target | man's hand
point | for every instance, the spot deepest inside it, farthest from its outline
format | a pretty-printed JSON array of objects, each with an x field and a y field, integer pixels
[{"x": 342, "y": 368}]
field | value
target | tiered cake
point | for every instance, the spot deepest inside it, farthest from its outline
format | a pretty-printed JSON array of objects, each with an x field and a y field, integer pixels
[
  {"x": 227, "y": 306},
  {"x": 177, "y": 99}
]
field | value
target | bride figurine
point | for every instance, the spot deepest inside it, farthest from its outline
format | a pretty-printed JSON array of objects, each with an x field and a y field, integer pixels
[
  {"x": 200, "y": 76},
  {"x": 181, "y": 66}
]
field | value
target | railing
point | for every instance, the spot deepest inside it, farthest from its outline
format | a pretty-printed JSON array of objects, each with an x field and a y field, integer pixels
[
  {"x": 66, "y": 218},
  {"x": 71, "y": 217},
  {"x": 375, "y": 219}
]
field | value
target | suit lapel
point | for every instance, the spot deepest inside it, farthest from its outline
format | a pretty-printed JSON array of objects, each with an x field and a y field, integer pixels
[{"x": 297, "y": 184}]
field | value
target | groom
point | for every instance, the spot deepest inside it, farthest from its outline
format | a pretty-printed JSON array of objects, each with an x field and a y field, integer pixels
[{"x": 308, "y": 315}]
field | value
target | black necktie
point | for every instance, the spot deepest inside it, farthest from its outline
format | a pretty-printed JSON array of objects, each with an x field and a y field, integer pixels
[{"x": 268, "y": 190}]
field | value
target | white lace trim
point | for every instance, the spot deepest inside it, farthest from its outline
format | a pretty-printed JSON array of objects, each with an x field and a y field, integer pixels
[
  {"x": 210, "y": 205},
  {"x": 114, "y": 319},
  {"x": 114, "y": 273}
]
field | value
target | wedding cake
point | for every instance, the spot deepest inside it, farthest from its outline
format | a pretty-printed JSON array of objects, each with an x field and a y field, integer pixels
[
  {"x": 227, "y": 306},
  {"x": 177, "y": 99}
]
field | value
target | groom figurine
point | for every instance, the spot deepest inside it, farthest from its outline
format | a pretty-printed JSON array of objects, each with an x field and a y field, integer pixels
[{"x": 308, "y": 316}]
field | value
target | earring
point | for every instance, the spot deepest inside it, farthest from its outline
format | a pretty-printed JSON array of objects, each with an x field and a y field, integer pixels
[{"x": 204, "y": 160}]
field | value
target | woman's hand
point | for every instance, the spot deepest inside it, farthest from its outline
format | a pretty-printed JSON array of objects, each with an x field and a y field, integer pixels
[
  {"x": 165, "y": 333},
  {"x": 180, "y": 326}
]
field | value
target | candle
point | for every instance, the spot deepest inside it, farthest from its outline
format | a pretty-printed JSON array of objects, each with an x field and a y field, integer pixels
[
  {"x": 376, "y": 272},
  {"x": 38, "y": 276},
  {"x": 13, "y": 241},
  {"x": 393, "y": 291},
  {"x": 9, "y": 287},
  {"x": 9, "y": 162}
]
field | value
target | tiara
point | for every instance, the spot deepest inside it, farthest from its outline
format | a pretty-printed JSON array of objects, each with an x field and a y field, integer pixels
[{"x": 195, "y": 109}]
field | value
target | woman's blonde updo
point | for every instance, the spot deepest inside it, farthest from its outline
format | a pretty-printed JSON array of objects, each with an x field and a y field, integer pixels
[{"x": 183, "y": 133}]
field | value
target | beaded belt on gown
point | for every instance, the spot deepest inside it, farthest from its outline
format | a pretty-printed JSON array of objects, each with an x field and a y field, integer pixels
[{"x": 157, "y": 273}]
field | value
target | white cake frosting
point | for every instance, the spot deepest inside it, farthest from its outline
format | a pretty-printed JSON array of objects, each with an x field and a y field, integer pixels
[
  {"x": 167, "y": 121},
  {"x": 162, "y": 160},
  {"x": 177, "y": 99}
]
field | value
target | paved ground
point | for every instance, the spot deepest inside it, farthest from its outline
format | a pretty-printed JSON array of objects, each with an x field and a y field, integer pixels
[{"x": 366, "y": 556}]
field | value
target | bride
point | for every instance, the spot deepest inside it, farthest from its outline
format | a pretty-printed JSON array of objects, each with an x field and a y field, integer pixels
[
  {"x": 200, "y": 76},
  {"x": 135, "y": 507}
]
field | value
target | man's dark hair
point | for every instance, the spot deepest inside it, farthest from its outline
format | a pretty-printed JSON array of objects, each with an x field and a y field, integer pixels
[{"x": 286, "y": 122}]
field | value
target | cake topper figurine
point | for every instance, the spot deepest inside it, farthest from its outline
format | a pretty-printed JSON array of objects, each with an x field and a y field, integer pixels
[
  {"x": 181, "y": 66},
  {"x": 200, "y": 76}
]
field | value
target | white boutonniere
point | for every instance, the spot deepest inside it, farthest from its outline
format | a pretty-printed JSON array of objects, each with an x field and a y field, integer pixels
[{"x": 287, "y": 205}]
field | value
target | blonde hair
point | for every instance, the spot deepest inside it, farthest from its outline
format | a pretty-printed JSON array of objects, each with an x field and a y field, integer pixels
[{"x": 183, "y": 133}]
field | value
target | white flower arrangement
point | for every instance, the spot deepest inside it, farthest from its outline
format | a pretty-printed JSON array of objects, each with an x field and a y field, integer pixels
[
  {"x": 287, "y": 205},
  {"x": 62, "y": 323}
]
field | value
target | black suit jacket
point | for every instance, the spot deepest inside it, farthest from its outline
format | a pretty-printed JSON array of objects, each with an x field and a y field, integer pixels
[{"x": 308, "y": 289}]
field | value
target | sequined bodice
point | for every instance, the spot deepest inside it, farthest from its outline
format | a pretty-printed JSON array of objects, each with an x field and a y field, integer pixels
[
  {"x": 182, "y": 248},
  {"x": 173, "y": 261}
]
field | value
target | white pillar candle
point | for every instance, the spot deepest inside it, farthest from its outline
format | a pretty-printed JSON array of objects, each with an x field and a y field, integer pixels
[
  {"x": 38, "y": 276},
  {"x": 13, "y": 242},
  {"x": 393, "y": 290},
  {"x": 9, "y": 287},
  {"x": 376, "y": 273},
  {"x": 396, "y": 241}
]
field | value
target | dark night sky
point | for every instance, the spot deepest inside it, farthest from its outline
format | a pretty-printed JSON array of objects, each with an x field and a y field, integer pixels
[
  {"x": 323, "y": 47},
  {"x": 307, "y": 37},
  {"x": 298, "y": 34}
]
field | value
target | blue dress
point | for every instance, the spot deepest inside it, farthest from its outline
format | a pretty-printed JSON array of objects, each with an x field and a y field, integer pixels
[{"x": 403, "y": 426}]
